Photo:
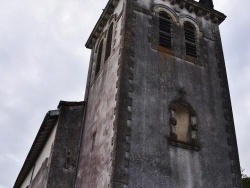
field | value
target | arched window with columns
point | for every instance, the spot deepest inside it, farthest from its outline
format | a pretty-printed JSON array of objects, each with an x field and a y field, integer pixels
[{"x": 183, "y": 122}]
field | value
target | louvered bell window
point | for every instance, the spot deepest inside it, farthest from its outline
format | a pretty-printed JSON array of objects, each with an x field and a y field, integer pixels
[
  {"x": 109, "y": 42},
  {"x": 165, "y": 30},
  {"x": 99, "y": 58},
  {"x": 190, "y": 39}
]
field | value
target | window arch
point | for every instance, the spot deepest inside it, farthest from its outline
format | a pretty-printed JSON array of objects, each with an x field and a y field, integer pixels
[
  {"x": 99, "y": 58},
  {"x": 190, "y": 39},
  {"x": 109, "y": 41},
  {"x": 165, "y": 30}
]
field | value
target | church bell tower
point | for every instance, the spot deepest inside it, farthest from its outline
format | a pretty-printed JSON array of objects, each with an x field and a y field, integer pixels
[{"x": 158, "y": 110}]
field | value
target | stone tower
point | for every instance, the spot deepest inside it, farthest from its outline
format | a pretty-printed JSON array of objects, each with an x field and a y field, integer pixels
[{"x": 158, "y": 111}]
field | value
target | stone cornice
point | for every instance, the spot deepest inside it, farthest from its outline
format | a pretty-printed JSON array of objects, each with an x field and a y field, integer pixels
[
  {"x": 200, "y": 10},
  {"x": 107, "y": 12},
  {"x": 191, "y": 5}
]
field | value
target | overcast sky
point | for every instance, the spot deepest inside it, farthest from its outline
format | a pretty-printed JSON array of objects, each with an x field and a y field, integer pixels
[{"x": 43, "y": 60}]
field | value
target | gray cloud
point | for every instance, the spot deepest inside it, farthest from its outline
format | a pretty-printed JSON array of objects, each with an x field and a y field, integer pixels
[
  {"x": 43, "y": 60},
  {"x": 234, "y": 32}
]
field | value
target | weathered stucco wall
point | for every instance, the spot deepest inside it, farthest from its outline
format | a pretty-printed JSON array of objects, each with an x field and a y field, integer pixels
[
  {"x": 26, "y": 182},
  {"x": 158, "y": 78},
  {"x": 56, "y": 164},
  {"x": 95, "y": 161},
  {"x": 64, "y": 156},
  {"x": 41, "y": 178}
]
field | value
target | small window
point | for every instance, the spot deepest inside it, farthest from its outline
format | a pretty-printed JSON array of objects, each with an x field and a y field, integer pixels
[
  {"x": 165, "y": 30},
  {"x": 109, "y": 42},
  {"x": 190, "y": 39},
  {"x": 99, "y": 58},
  {"x": 182, "y": 117},
  {"x": 183, "y": 126}
]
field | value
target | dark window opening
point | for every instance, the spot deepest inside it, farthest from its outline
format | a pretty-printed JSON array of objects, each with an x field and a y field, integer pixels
[
  {"x": 69, "y": 163},
  {"x": 99, "y": 58},
  {"x": 165, "y": 30},
  {"x": 190, "y": 39},
  {"x": 93, "y": 142},
  {"x": 109, "y": 42}
]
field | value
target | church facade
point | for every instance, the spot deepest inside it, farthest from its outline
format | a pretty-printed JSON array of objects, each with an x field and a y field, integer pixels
[{"x": 157, "y": 109}]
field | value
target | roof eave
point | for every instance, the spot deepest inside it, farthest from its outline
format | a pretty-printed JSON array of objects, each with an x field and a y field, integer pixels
[{"x": 44, "y": 132}]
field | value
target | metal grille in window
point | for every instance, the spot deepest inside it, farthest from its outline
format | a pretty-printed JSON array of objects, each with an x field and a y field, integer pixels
[
  {"x": 190, "y": 39},
  {"x": 165, "y": 30},
  {"x": 99, "y": 58},
  {"x": 109, "y": 42}
]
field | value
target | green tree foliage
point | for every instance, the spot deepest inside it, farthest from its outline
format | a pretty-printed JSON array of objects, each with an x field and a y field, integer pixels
[{"x": 245, "y": 179}]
